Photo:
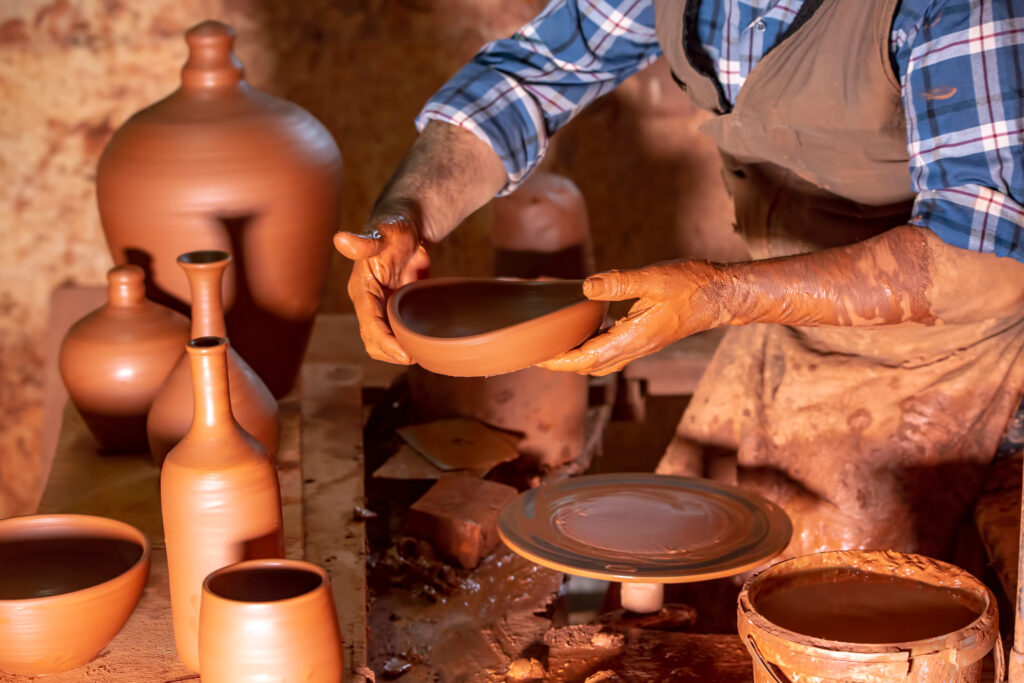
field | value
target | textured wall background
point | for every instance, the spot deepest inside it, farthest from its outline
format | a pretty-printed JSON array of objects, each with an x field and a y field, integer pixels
[{"x": 71, "y": 71}]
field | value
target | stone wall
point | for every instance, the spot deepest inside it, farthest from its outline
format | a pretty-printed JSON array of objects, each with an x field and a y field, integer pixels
[{"x": 71, "y": 71}]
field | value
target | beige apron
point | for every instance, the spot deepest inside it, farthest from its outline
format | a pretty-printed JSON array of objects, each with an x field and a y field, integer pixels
[{"x": 868, "y": 437}]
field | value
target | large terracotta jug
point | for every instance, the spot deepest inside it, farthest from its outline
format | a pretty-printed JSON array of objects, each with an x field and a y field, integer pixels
[
  {"x": 115, "y": 359},
  {"x": 251, "y": 402},
  {"x": 220, "y": 165},
  {"x": 219, "y": 496}
]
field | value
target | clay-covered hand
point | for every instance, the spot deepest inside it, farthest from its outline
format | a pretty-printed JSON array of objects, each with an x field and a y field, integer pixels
[
  {"x": 387, "y": 255},
  {"x": 674, "y": 299}
]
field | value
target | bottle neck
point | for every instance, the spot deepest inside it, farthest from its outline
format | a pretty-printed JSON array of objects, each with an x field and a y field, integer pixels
[
  {"x": 212, "y": 399},
  {"x": 207, "y": 307},
  {"x": 126, "y": 286}
]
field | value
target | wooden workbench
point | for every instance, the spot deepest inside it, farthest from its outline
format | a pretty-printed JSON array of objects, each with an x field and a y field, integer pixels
[{"x": 321, "y": 474}]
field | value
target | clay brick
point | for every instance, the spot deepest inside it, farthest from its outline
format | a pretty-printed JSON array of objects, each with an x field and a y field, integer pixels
[{"x": 458, "y": 517}]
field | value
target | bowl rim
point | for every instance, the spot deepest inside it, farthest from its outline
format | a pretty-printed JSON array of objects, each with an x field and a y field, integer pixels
[
  {"x": 264, "y": 563},
  {"x": 474, "y": 339},
  {"x": 85, "y": 523}
]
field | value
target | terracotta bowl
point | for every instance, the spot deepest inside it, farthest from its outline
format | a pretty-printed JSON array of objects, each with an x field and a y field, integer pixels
[
  {"x": 68, "y": 583},
  {"x": 477, "y": 327}
]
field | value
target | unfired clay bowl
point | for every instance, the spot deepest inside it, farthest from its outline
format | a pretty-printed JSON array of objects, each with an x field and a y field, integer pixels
[
  {"x": 68, "y": 583},
  {"x": 477, "y": 327}
]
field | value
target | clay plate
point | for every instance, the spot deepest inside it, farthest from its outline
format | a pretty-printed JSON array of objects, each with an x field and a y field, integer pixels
[
  {"x": 477, "y": 327},
  {"x": 644, "y": 527}
]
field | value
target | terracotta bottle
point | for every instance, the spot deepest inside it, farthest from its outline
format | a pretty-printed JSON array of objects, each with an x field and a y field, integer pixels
[
  {"x": 219, "y": 496},
  {"x": 540, "y": 230},
  {"x": 115, "y": 359},
  {"x": 251, "y": 402},
  {"x": 221, "y": 165},
  {"x": 269, "y": 620}
]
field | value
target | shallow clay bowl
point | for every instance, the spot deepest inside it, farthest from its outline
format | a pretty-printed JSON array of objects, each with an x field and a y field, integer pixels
[
  {"x": 476, "y": 327},
  {"x": 68, "y": 583}
]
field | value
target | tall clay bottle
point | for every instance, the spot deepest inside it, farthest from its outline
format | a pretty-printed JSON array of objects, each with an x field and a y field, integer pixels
[
  {"x": 115, "y": 359},
  {"x": 219, "y": 496},
  {"x": 251, "y": 402},
  {"x": 221, "y": 165}
]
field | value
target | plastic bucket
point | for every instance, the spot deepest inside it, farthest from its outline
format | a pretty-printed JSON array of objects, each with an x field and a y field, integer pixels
[{"x": 784, "y": 656}]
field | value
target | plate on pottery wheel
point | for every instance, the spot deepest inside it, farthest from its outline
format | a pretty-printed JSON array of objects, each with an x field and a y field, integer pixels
[
  {"x": 478, "y": 327},
  {"x": 644, "y": 527}
]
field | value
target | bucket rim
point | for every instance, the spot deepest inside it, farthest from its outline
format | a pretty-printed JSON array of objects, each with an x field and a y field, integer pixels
[{"x": 982, "y": 630}]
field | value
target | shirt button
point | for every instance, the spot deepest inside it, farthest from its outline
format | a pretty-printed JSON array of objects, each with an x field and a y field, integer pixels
[{"x": 760, "y": 25}]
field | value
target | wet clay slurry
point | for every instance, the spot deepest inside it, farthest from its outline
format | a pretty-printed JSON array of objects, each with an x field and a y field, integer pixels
[
  {"x": 644, "y": 523},
  {"x": 36, "y": 568},
  {"x": 851, "y": 606},
  {"x": 868, "y": 615},
  {"x": 468, "y": 327}
]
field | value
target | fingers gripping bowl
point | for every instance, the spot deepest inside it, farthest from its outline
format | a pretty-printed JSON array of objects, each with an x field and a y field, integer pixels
[{"x": 477, "y": 327}]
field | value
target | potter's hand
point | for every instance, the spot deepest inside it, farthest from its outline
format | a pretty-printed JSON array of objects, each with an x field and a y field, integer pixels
[
  {"x": 387, "y": 255},
  {"x": 904, "y": 275},
  {"x": 447, "y": 174},
  {"x": 673, "y": 300}
]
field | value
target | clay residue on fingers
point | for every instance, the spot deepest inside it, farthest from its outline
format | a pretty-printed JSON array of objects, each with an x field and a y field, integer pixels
[{"x": 881, "y": 281}]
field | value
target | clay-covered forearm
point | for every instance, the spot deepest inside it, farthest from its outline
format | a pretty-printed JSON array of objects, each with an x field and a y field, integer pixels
[
  {"x": 906, "y": 274},
  {"x": 447, "y": 174}
]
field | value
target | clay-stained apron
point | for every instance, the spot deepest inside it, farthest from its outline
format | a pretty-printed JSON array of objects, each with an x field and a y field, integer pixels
[{"x": 868, "y": 437}]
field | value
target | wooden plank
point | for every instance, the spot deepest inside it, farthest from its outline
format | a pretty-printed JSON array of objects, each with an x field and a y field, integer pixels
[
  {"x": 82, "y": 480},
  {"x": 332, "y": 475}
]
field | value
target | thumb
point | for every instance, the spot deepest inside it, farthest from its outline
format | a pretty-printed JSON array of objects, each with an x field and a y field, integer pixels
[
  {"x": 358, "y": 247},
  {"x": 615, "y": 285}
]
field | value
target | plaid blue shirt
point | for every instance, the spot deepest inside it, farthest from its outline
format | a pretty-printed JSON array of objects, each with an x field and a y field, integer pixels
[{"x": 965, "y": 137}]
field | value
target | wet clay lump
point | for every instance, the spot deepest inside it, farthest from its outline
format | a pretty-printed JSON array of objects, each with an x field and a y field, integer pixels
[
  {"x": 40, "y": 567},
  {"x": 851, "y": 606}
]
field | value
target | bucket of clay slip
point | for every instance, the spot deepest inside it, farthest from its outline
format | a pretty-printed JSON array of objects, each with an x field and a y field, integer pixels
[{"x": 868, "y": 617}]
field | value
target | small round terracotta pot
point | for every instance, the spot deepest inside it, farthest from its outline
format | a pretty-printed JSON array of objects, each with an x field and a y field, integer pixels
[
  {"x": 269, "y": 620},
  {"x": 68, "y": 583},
  {"x": 114, "y": 360},
  {"x": 477, "y": 327}
]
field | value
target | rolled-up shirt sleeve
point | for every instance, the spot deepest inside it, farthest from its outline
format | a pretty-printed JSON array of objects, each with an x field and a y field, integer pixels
[
  {"x": 963, "y": 94},
  {"x": 516, "y": 92}
]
